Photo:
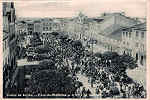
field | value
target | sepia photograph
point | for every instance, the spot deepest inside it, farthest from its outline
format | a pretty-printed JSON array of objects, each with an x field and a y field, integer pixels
[{"x": 69, "y": 49}]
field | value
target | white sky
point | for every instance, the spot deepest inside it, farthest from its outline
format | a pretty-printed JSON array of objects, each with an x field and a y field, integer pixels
[{"x": 68, "y": 8}]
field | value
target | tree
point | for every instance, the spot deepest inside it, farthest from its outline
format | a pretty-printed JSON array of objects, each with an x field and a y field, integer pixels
[
  {"x": 119, "y": 63},
  {"x": 128, "y": 61},
  {"x": 99, "y": 55},
  {"x": 47, "y": 65},
  {"x": 110, "y": 55},
  {"x": 52, "y": 81}
]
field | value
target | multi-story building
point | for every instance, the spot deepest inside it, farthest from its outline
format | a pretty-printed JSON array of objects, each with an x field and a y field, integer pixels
[
  {"x": 118, "y": 33},
  {"x": 9, "y": 42},
  {"x": 21, "y": 28},
  {"x": 37, "y": 26},
  {"x": 56, "y": 25},
  {"x": 6, "y": 19},
  {"x": 12, "y": 36},
  {"x": 76, "y": 27},
  {"x": 134, "y": 42},
  {"x": 109, "y": 23},
  {"x": 30, "y": 27},
  {"x": 49, "y": 26},
  {"x": 46, "y": 25},
  {"x": 108, "y": 29}
]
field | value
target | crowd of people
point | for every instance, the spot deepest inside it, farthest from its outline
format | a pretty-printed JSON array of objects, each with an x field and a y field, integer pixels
[
  {"x": 106, "y": 71},
  {"x": 109, "y": 83}
]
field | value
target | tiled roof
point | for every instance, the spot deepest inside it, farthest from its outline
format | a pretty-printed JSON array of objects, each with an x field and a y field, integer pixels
[
  {"x": 114, "y": 30},
  {"x": 117, "y": 34},
  {"x": 141, "y": 26}
]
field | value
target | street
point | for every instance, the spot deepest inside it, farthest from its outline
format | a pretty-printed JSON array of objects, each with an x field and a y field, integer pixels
[
  {"x": 138, "y": 74},
  {"x": 86, "y": 84},
  {"x": 75, "y": 54}
]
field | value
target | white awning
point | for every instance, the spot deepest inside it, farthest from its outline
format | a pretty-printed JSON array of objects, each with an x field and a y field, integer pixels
[{"x": 24, "y": 62}]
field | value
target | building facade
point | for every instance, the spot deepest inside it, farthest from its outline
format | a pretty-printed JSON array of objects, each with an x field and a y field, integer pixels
[
  {"x": 21, "y": 28},
  {"x": 12, "y": 36},
  {"x": 46, "y": 25},
  {"x": 9, "y": 43},
  {"x": 108, "y": 30},
  {"x": 30, "y": 27},
  {"x": 6, "y": 19},
  {"x": 76, "y": 27},
  {"x": 37, "y": 27},
  {"x": 56, "y": 25},
  {"x": 134, "y": 42}
]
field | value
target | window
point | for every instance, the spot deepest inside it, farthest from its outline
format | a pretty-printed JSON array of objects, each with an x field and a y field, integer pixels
[
  {"x": 143, "y": 47},
  {"x": 44, "y": 28},
  {"x": 130, "y": 30},
  {"x": 142, "y": 34},
  {"x": 137, "y": 44},
  {"x": 129, "y": 34},
  {"x": 137, "y": 33},
  {"x": 137, "y": 56},
  {"x": 127, "y": 43},
  {"x": 50, "y": 28},
  {"x": 123, "y": 33},
  {"x": 124, "y": 42},
  {"x": 131, "y": 53},
  {"x": 47, "y": 28},
  {"x": 126, "y": 34},
  {"x": 3, "y": 45}
]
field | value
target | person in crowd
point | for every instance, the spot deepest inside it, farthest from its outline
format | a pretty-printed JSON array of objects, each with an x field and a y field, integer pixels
[
  {"x": 92, "y": 81},
  {"x": 83, "y": 92},
  {"x": 88, "y": 92},
  {"x": 78, "y": 92},
  {"x": 97, "y": 91}
]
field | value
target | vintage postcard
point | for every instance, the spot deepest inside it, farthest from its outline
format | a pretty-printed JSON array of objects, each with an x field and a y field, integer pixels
[{"x": 70, "y": 49}]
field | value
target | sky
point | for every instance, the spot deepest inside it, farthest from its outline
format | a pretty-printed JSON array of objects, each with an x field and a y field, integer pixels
[{"x": 69, "y": 8}]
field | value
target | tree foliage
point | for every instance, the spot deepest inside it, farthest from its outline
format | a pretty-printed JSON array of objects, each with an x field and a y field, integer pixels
[
  {"x": 52, "y": 81},
  {"x": 119, "y": 63}
]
